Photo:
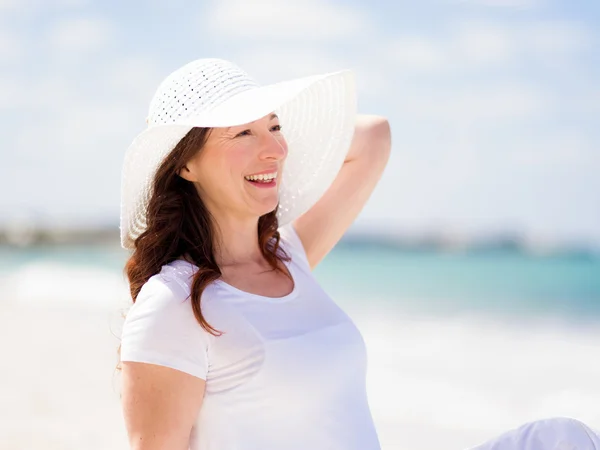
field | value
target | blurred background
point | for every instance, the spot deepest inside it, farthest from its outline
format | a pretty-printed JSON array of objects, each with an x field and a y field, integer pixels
[{"x": 473, "y": 272}]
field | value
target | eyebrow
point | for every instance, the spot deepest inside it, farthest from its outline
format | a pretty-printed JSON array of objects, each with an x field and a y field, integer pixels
[{"x": 273, "y": 116}]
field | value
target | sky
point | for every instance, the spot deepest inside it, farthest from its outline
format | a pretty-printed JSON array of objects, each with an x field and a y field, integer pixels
[{"x": 494, "y": 105}]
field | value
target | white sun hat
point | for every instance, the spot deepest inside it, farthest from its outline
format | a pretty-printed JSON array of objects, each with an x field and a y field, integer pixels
[{"x": 317, "y": 115}]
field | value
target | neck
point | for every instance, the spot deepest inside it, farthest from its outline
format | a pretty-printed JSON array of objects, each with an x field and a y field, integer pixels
[{"x": 236, "y": 241}]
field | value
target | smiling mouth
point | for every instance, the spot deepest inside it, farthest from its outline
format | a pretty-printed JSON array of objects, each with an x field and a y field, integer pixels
[{"x": 265, "y": 179}]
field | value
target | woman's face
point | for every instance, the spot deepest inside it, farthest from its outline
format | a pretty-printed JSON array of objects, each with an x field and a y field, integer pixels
[{"x": 221, "y": 170}]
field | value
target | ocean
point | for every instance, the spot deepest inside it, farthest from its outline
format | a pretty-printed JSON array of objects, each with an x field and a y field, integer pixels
[
  {"x": 433, "y": 282},
  {"x": 488, "y": 282},
  {"x": 462, "y": 345}
]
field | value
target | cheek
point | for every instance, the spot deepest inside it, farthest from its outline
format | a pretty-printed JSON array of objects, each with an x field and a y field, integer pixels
[
  {"x": 210, "y": 169},
  {"x": 238, "y": 159},
  {"x": 223, "y": 162}
]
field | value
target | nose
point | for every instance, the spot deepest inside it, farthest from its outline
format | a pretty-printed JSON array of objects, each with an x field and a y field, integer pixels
[{"x": 273, "y": 148}]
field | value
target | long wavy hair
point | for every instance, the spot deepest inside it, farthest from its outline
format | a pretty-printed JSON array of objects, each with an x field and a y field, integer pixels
[{"x": 179, "y": 224}]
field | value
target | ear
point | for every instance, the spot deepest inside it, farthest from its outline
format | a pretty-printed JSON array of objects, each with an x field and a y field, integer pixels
[{"x": 186, "y": 174}]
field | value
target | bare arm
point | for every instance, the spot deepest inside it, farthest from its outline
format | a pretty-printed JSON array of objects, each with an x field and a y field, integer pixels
[
  {"x": 160, "y": 405},
  {"x": 322, "y": 226}
]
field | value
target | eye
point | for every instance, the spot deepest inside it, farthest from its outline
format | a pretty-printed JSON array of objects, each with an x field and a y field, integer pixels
[
  {"x": 248, "y": 131},
  {"x": 243, "y": 133}
]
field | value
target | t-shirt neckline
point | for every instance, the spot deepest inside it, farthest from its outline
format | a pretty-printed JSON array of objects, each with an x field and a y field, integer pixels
[{"x": 293, "y": 294}]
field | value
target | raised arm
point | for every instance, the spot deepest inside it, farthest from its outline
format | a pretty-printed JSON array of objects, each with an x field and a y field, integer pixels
[{"x": 322, "y": 226}]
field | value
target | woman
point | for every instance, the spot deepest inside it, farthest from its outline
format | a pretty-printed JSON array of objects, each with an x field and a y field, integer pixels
[{"x": 230, "y": 198}]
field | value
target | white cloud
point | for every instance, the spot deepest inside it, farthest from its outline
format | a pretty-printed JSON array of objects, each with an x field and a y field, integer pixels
[
  {"x": 502, "y": 3},
  {"x": 588, "y": 102},
  {"x": 8, "y": 90},
  {"x": 272, "y": 63},
  {"x": 486, "y": 102},
  {"x": 81, "y": 145},
  {"x": 132, "y": 79},
  {"x": 11, "y": 48},
  {"x": 80, "y": 35},
  {"x": 482, "y": 44},
  {"x": 135, "y": 77},
  {"x": 76, "y": 118},
  {"x": 78, "y": 129},
  {"x": 416, "y": 53},
  {"x": 44, "y": 93},
  {"x": 31, "y": 6},
  {"x": 286, "y": 19},
  {"x": 555, "y": 37},
  {"x": 79, "y": 134},
  {"x": 468, "y": 45},
  {"x": 564, "y": 149},
  {"x": 303, "y": 60},
  {"x": 8, "y": 5},
  {"x": 464, "y": 46},
  {"x": 72, "y": 3}
]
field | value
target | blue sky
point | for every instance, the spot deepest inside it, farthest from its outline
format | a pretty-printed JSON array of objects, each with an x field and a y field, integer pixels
[{"x": 494, "y": 104}]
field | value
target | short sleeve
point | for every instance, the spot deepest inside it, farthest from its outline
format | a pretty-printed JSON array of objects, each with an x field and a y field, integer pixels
[
  {"x": 293, "y": 244},
  {"x": 160, "y": 328}
]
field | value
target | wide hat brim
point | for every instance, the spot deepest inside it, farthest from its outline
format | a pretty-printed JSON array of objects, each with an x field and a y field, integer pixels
[{"x": 317, "y": 115}]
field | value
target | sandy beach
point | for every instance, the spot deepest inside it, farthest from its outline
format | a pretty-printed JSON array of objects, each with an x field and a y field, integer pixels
[
  {"x": 56, "y": 382},
  {"x": 432, "y": 383}
]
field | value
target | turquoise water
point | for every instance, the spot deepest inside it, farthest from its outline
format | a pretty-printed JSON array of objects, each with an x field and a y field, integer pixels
[
  {"x": 498, "y": 282},
  {"x": 502, "y": 282}
]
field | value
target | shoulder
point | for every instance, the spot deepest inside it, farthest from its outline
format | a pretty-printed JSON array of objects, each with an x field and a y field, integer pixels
[
  {"x": 164, "y": 300},
  {"x": 166, "y": 289},
  {"x": 168, "y": 292},
  {"x": 161, "y": 328},
  {"x": 160, "y": 301},
  {"x": 177, "y": 276}
]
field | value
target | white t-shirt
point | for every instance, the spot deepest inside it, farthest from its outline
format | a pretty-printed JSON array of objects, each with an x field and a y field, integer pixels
[{"x": 288, "y": 373}]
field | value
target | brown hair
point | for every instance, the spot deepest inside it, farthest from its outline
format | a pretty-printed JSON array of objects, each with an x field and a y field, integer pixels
[{"x": 178, "y": 224}]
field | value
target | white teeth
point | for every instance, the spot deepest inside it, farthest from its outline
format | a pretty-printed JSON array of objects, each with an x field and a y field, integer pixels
[{"x": 262, "y": 177}]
